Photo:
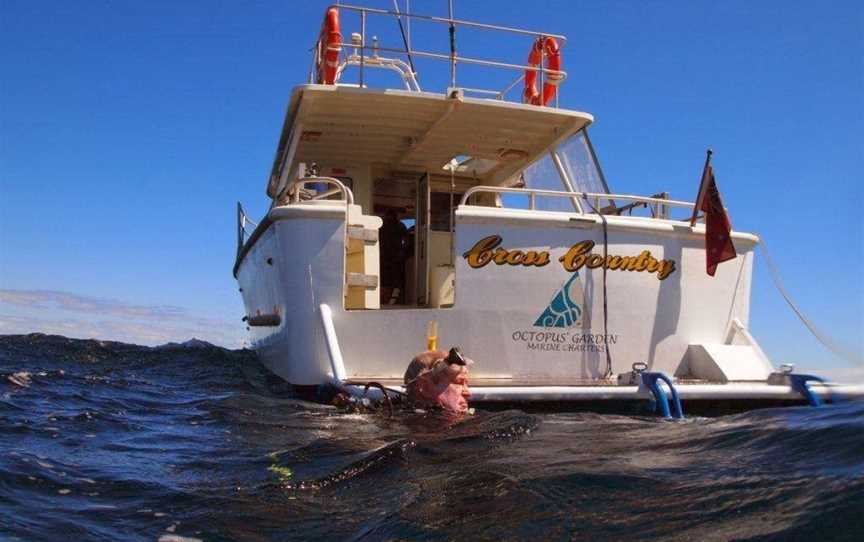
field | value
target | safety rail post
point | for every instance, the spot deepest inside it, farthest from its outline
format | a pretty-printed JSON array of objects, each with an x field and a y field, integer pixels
[
  {"x": 362, "y": 44},
  {"x": 312, "y": 74},
  {"x": 542, "y": 66},
  {"x": 240, "y": 230},
  {"x": 337, "y": 364}
]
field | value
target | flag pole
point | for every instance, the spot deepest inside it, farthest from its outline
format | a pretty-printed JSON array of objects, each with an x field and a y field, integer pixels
[{"x": 702, "y": 186}]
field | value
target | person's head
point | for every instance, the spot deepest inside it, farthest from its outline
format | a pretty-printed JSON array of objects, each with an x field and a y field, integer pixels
[
  {"x": 439, "y": 378},
  {"x": 391, "y": 216}
]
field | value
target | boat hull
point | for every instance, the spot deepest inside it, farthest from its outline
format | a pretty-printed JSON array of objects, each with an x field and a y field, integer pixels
[{"x": 533, "y": 309}]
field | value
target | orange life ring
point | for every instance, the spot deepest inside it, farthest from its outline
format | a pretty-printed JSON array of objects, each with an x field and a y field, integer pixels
[
  {"x": 553, "y": 62},
  {"x": 329, "y": 47}
]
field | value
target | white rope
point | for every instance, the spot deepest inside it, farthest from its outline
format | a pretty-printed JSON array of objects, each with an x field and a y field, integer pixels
[{"x": 829, "y": 343}]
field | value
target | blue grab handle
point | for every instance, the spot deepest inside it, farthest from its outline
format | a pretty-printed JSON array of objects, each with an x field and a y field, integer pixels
[
  {"x": 799, "y": 384},
  {"x": 652, "y": 382}
]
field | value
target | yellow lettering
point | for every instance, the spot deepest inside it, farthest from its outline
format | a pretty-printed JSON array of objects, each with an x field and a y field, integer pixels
[
  {"x": 642, "y": 260},
  {"x": 481, "y": 253},
  {"x": 515, "y": 257},
  {"x": 500, "y": 256},
  {"x": 595, "y": 260},
  {"x": 542, "y": 259},
  {"x": 576, "y": 256}
]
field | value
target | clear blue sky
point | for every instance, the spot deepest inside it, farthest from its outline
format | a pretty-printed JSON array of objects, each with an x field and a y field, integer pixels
[{"x": 128, "y": 130}]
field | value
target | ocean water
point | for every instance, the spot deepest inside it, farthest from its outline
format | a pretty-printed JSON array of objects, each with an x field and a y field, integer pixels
[{"x": 105, "y": 441}]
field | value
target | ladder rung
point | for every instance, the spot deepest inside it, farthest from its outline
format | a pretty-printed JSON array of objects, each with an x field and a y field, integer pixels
[
  {"x": 361, "y": 279},
  {"x": 363, "y": 234}
]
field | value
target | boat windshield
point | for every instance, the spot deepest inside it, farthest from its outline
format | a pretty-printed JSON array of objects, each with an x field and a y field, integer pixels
[{"x": 580, "y": 165}]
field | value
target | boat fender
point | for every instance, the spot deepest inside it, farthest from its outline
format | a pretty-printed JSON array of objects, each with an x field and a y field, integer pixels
[
  {"x": 549, "y": 46},
  {"x": 329, "y": 47},
  {"x": 264, "y": 320}
]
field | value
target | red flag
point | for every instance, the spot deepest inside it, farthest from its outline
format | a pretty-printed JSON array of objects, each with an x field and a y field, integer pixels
[{"x": 718, "y": 230}]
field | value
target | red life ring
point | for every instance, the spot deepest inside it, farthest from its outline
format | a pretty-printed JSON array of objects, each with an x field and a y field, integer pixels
[
  {"x": 553, "y": 62},
  {"x": 329, "y": 47}
]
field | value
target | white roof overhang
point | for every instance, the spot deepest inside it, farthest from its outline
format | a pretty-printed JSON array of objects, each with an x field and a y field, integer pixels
[{"x": 416, "y": 131}]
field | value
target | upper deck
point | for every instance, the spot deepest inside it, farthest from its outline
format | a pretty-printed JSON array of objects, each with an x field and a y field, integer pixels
[
  {"x": 492, "y": 115},
  {"x": 414, "y": 131}
]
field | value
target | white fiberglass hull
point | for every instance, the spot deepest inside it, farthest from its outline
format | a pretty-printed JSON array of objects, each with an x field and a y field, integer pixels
[{"x": 532, "y": 319}]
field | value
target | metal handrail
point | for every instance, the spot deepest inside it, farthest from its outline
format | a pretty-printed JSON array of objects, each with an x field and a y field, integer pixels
[
  {"x": 360, "y": 48},
  {"x": 503, "y": 92},
  {"x": 532, "y": 193},
  {"x": 242, "y": 220},
  {"x": 346, "y": 192},
  {"x": 462, "y": 59},
  {"x": 458, "y": 22},
  {"x": 394, "y": 64}
]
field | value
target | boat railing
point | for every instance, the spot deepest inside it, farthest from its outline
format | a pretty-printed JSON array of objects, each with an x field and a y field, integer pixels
[
  {"x": 659, "y": 205},
  {"x": 297, "y": 192},
  {"x": 358, "y": 50},
  {"x": 242, "y": 234}
]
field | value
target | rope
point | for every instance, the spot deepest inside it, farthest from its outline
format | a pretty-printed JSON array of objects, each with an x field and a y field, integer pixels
[
  {"x": 608, "y": 372},
  {"x": 452, "y": 41},
  {"x": 384, "y": 391},
  {"x": 404, "y": 37},
  {"x": 452, "y": 46},
  {"x": 826, "y": 341}
]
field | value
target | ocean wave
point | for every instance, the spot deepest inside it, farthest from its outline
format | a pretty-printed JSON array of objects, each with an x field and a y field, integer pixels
[{"x": 111, "y": 441}]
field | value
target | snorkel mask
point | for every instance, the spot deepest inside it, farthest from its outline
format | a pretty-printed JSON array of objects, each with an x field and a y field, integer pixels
[{"x": 455, "y": 356}]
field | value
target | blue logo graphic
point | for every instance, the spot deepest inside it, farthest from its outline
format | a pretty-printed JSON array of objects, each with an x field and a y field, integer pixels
[{"x": 562, "y": 311}]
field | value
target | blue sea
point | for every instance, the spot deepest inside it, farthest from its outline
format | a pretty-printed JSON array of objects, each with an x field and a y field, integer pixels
[{"x": 108, "y": 441}]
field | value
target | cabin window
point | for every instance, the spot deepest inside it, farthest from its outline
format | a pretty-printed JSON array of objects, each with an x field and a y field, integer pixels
[{"x": 581, "y": 166}]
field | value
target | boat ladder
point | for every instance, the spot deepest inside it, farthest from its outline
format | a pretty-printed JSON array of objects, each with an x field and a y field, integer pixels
[{"x": 652, "y": 381}]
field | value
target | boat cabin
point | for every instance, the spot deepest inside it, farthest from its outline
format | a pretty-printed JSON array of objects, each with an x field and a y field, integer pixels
[{"x": 408, "y": 159}]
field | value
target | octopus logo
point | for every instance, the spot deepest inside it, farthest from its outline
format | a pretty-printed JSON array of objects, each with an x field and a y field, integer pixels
[{"x": 565, "y": 309}]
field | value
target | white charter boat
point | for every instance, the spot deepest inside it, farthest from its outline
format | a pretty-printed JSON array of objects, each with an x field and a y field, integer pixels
[{"x": 558, "y": 289}]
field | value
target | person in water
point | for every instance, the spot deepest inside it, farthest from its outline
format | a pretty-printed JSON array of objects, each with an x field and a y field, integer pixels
[{"x": 439, "y": 379}]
